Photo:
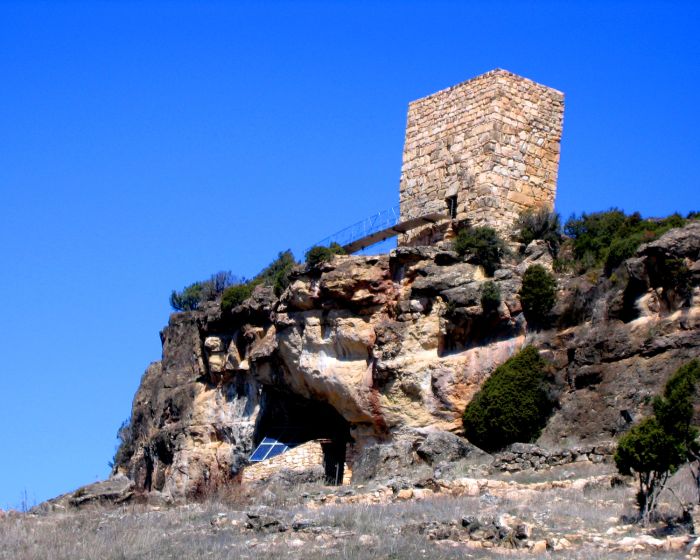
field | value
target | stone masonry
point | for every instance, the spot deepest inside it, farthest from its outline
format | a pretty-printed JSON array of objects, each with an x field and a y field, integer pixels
[
  {"x": 305, "y": 457},
  {"x": 488, "y": 147}
]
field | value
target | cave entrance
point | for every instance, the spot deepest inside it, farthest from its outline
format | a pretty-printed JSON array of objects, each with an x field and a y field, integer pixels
[{"x": 287, "y": 421}]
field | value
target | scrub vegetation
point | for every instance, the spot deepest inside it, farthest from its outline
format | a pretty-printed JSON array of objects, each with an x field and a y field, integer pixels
[
  {"x": 320, "y": 254},
  {"x": 484, "y": 245},
  {"x": 655, "y": 448},
  {"x": 538, "y": 295},
  {"x": 513, "y": 404},
  {"x": 234, "y": 290},
  {"x": 606, "y": 239}
]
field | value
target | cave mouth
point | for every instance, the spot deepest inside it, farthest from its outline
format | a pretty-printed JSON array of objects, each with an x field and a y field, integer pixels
[{"x": 292, "y": 420}]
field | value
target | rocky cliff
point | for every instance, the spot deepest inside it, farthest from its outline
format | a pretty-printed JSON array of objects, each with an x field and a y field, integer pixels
[{"x": 374, "y": 350}]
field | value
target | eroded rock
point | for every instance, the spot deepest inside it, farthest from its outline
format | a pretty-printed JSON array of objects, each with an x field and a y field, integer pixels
[{"x": 397, "y": 346}]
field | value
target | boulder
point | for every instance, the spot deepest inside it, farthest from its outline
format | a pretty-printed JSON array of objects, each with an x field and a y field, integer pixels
[
  {"x": 440, "y": 446},
  {"x": 537, "y": 252},
  {"x": 383, "y": 460},
  {"x": 677, "y": 243}
]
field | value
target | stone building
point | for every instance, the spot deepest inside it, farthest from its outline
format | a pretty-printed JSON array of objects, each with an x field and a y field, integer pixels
[{"x": 480, "y": 153}]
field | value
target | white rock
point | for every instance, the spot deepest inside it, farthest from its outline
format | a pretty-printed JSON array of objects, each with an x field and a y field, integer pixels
[
  {"x": 217, "y": 362},
  {"x": 214, "y": 344}
]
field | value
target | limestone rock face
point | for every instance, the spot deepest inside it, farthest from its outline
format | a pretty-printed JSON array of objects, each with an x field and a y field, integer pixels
[
  {"x": 390, "y": 349},
  {"x": 189, "y": 433},
  {"x": 384, "y": 461}
]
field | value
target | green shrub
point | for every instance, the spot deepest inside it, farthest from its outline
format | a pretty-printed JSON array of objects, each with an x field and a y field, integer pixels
[
  {"x": 655, "y": 448},
  {"x": 195, "y": 294},
  {"x": 235, "y": 295},
  {"x": 675, "y": 220},
  {"x": 611, "y": 237},
  {"x": 490, "y": 297},
  {"x": 319, "y": 254},
  {"x": 513, "y": 404},
  {"x": 649, "y": 452},
  {"x": 593, "y": 233},
  {"x": 540, "y": 224},
  {"x": 484, "y": 244},
  {"x": 276, "y": 274},
  {"x": 586, "y": 263},
  {"x": 537, "y": 294},
  {"x": 674, "y": 408},
  {"x": 622, "y": 249},
  {"x": 188, "y": 299},
  {"x": 233, "y": 289}
]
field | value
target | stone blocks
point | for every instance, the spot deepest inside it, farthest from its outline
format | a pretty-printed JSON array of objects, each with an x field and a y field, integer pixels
[
  {"x": 303, "y": 457},
  {"x": 493, "y": 142}
]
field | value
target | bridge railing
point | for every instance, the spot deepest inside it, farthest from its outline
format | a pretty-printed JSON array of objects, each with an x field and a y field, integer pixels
[{"x": 364, "y": 228}]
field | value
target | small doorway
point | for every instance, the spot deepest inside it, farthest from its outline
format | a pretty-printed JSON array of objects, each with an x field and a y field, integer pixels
[
  {"x": 334, "y": 461},
  {"x": 451, "y": 202}
]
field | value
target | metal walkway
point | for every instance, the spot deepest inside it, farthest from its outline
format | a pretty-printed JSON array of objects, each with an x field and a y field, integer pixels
[{"x": 378, "y": 228}]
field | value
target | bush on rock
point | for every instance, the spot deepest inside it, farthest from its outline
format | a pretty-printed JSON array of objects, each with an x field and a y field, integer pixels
[
  {"x": 484, "y": 245},
  {"x": 320, "y": 254},
  {"x": 537, "y": 294},
  {"x": 513, "y": 404}
]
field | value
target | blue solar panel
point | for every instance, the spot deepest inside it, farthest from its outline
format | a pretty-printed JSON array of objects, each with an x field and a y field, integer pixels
[
  {"x": 268, "y": 449},
  {"x": 260, "y": 452},
  {"x": 276, "y": 450}
]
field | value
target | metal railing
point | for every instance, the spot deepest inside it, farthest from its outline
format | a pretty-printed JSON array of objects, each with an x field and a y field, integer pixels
[{"x": 378, "y": 222}]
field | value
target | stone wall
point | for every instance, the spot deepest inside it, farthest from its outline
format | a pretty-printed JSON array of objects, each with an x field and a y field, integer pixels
[
  {"x": 492, "y": 142},
  {"x": 524, "y": 456},
  {"x": 304, "y": 457}
]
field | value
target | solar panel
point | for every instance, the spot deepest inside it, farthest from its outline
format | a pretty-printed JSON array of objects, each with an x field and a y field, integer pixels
[
  {"x": 268, "y": 449},
  {"x": 260, "y": 452},
  {"x": 276, "y": 450}
]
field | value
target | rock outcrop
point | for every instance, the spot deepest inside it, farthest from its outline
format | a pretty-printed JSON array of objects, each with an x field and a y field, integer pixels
[
  {"x": 117, "y": 490},
  {"x": 370, "y": 350}
]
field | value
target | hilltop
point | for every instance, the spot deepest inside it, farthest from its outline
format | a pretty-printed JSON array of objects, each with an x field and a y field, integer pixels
[{"x": 358, "y": 370}]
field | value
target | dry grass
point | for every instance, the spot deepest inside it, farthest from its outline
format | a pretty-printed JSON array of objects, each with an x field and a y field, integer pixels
[{"x": 216, "y": 529}]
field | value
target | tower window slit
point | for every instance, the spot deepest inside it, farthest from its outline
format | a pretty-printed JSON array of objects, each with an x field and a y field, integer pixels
[{"x": 451, "y": 202}]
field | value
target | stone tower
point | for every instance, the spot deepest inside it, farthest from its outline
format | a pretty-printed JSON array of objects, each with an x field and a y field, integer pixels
[{"x": 480, "y": 152}]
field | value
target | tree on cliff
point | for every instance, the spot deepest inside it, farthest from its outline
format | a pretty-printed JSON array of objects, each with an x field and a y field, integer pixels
[
  {"x": 655, "y": 449},
  {"x": 609, "y": 238},
  {"x": 537, "y": 294},
  {"x": 188, "y": 299}
]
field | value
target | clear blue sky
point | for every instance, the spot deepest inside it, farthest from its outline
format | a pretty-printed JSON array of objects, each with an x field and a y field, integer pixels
[{"x": 145, "y": 145}]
